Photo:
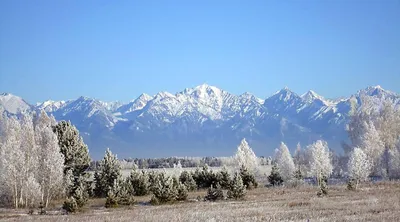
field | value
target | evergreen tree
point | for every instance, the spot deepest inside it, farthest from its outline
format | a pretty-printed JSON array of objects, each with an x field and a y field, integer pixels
[
  {"x": 139, "y": 181},
  {"x": 109, "y": 171},
  {"x": 187, "y": 179},
  {"x": 323, "y": 187},
  {"x": 125, "y": 195},
  {"x": 214, "y": 194},
  {"x": 237, "y": 189},
  {"x": 76, "y": 163},
  {"x": 298, "y": 175},
  {"x": 182, "y": 192},
  {"x": 275, "y": 178},
  {"x": 164, "y": 190},
  {"x": 75, "y": 151},
  {"x": 248, "y": 179},
  {"x": 112, "y": 197},
  {"x": 224, "y": 178}
]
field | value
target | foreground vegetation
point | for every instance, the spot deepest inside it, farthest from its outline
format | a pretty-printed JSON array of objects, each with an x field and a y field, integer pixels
[{"x": 371, "y": 202}]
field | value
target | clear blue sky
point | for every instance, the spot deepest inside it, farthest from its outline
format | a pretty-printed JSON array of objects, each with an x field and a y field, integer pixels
[{"x": 115, "y": 50}]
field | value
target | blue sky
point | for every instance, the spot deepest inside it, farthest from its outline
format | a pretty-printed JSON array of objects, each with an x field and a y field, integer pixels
[{"x": 115, "y": 50}]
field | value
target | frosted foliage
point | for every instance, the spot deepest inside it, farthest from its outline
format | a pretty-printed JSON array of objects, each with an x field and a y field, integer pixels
[
  {"x": 320, "y": 162},
  {"x": 389, "y": 125},
  {"x": 246, "y": 157},
  {"x": 30, "y": 162},
  {"x": 285, "y": 163},
  {"x": 359, "y": 165},
  {"x": 371, "y": 143},
  {"x": 51, "y": 161}
]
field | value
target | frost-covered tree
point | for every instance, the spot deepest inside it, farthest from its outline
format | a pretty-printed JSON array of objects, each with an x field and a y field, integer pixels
[
  {"x": 246, "y": 157},
  {"x": 182, "y": 192},
  {"x": 275, "y": 178},
  {"x": 248, "y": 178},
  {"x": 237, "y": 190},
  {"x": 389, "y": 129},
  {"x": 214, "y": 193},
  {"x": 108, "y": 173},
  {"x": 75, "y": 151},
  {"x": 359, "y": 166},
  {"x": 139, "y": 181},
  {"x": 285, "y": 163},
  {"x": 76, "y": 163},
  {"x": 371, "y": 144},
  {"x": 50, "y": 159},
  {"x": 163, "y": 189},
  {"x": 224, "y": 178},
  {"x": 320, "y": 162},
  {"x": 18, "y": 161},
  {"x": 187, "y": 179}
]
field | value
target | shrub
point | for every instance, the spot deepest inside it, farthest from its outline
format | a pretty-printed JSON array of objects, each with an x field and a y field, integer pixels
[
  {"x": 214, "y": 194},
  {"x": 70, "y": 205},
  {"x": 351, "y": 184}
]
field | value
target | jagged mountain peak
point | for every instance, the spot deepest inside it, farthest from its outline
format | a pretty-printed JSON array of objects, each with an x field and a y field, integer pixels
[
  {"x": 144, "y": 97},
  {"x": 284, "y": 94},
  {"x": 13, "y": 104},
  {"x": 163, "y": 94},
  {"x": 136, "y": 104},
  {"x": 311, "y": 95},
  {"x": 50, "y": 105}
]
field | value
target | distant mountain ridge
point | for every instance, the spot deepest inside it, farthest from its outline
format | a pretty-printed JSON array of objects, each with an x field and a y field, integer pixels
[{"x": 203, "y": 120}]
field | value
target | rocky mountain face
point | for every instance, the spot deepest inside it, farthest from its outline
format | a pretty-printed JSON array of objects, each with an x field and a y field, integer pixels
[{"x": 204, "y": 120}]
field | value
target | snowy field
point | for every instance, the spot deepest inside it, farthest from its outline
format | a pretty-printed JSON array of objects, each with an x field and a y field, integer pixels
[{"x": 372, "y": 202}]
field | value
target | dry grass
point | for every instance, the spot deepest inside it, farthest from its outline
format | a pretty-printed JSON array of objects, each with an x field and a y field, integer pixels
[{"x": 372, "y": 202}]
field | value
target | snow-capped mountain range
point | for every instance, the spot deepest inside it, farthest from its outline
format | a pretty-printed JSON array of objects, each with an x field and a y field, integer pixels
[{"x": 203, "y": 120}]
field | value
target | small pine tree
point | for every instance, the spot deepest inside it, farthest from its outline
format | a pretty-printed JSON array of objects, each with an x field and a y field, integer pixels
[
  {"x": 182, "y": 192},
  {"x": 109, "y": 171},
  {"x": 214, "y": 194},
  {"x": 187, "y": 179},
  {"x": 323, "y": 187},
  {"x": 351, "y": 184},
  {"x": 275, "y": 178},
  {"x": 139, "y": 182},
  {"x": 112, "y": 199},
  {"x": 249, "y": 180},
  {"x": 70, "y": 205},
  {"x": 224, "y": 178},
  {"x": 125, "y": 194},
  {"x": 81, "y": 195},
  {"x": 298, "y": 175},
  {"x": 164, "y": 190},
  {"x": 237, "y": 189}
]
